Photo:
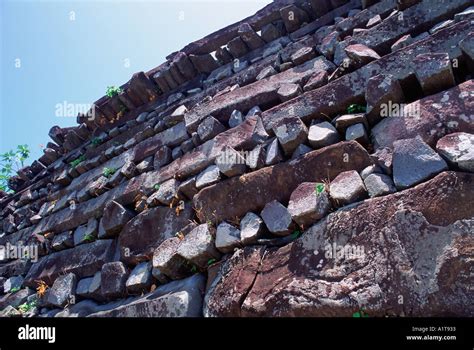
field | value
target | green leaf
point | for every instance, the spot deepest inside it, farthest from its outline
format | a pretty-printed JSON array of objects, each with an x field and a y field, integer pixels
[
  {"x": 211, "y": 261},
  {"x": 356, "y": 314},
  {"x": 108, "y": 172},
  {"x": 319, "y": 188},
  {"x": 14, "y": 290},
  {"x": 296, "y": 234}
]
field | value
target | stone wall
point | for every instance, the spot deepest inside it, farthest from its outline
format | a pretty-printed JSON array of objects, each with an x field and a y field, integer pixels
[{"x": 228, "y": 180}]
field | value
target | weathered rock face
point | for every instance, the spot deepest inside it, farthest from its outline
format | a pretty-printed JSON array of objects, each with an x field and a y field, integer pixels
[
  {"x": 279, "y": 213},
  {"x": 83, "y": 261},
  {"x": 251, "y": 192},
  {"x": 147, "y": 230},
  {"x": 62, "y": 290},
  {"x": 175, "y": 299},
  {"x": 414, "y": 161},
  {"x": 458, "y": 149},
  {"x": 413, "y": 251},
  {"x": 451, "y": 108}
]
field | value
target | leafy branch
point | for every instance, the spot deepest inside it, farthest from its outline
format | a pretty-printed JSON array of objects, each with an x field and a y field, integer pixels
[{"x": 10, "y": 163}]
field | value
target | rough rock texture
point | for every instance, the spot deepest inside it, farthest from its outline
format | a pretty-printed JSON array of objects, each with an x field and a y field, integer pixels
[
  {"x": 227, "y": 237},
  {"x": 379, "y": 185},
  {"x": 458, "y": 149},
  {"x": 115, "y": 217},
  {"x": 62, "y": 291},
  {"x": 347, "y": 188},
  {"x": 277, "y": 218},
  {"x": 198, "y": 246},
  {"x": 414, "y": 161},
  {"x": 175, "y": 299},
  {"x": 291, "y": 132},
  {"x": 83, "y": 260},
  {"x": 140, "y": 279},
  {"x": 277, "y": 182},
  {"x": 412, "y": 248},
  {"x": 113, "y": 278},
  {"x": 148, "y": 229},
  {"x": 259, "y": 163},
  {"x": 322, "y": 134},
  {"x": 307, "y": 205}
]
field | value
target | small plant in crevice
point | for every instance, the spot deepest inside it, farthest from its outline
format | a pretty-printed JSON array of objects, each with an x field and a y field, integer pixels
[
  {"x": 113, "y": 91},
  {"x": 319, "y": 188},
  {"x": 156, "y": 187},
  {"x": 194, "y": 269},
  {"x": 360, "y": 313},
  {"x": 211, "y": 261},
  {"x": 96, "y": 141},
  {"x": 296, "y": 234},
  {"x": 25, "y": 307},
  {"x": 77, "y": 161},
  {"x": 14, "y": 289},
  {"x": 108, "y": 172},
  {"x": 356, "y": 108},
  {"x": 88, "y": 238}
]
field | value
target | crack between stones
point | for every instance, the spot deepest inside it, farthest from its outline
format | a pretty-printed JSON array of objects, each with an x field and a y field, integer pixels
[{"x": 244, "y": 296}]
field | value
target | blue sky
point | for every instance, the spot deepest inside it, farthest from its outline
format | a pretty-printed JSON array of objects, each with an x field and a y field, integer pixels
[{"x": 70, "y": 51}]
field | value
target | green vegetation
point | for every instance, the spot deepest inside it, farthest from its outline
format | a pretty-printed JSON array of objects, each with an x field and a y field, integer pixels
[
  {"x": 10, "y": 163},
  {"x": 296, "y": 234},
  {"x": 194, "y": 269},
  {"x": 88, "y": 238},
  {"x": 96, "y": 141},
  {"x": 360, "y": 313},
  {"x": 23, "y": 308},
  {"x": 211, "y": 261},
  {"x": 77, "y": 161},
  {"x": 355, "y": 108},
  {"x": 156, "y": 187},
  {"x": 14, "y": 289},
  {"x": 108, "y": 172},
  {"x": 113, "y": 91},
  {"x": 319, "y": 188}
]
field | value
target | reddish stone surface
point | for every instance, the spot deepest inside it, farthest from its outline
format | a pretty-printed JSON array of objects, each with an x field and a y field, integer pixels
[
  {"x": 250, "y": 192},
  {"x": 147, "y": 230},
  {"x": 418, "y": 245}
]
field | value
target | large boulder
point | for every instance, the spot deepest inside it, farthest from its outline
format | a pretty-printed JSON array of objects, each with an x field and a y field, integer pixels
[
  {"x": 458, "y": 150},
  {"x": 347, "y": 188},
  {"x": 83, "y": 260},
  {"x": 388, "y": 256},
  {"x": 291, "y": 132},
  {"x": 414, "y": 162},
  {"x": 451, "y": 108},
  {"x": 147, "y": 230},
  {"x": 114, "y": 275},
  {"x": 198, "y": 246},
  {"x": 115, "y": 217},
  {"x": 309, "y": 203},
  {"x": 62, "y": 291},
  {"x": 236, "y": 196},
  {"x": 277, "y": 218},
  {"x": 175, "y": 299}
]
